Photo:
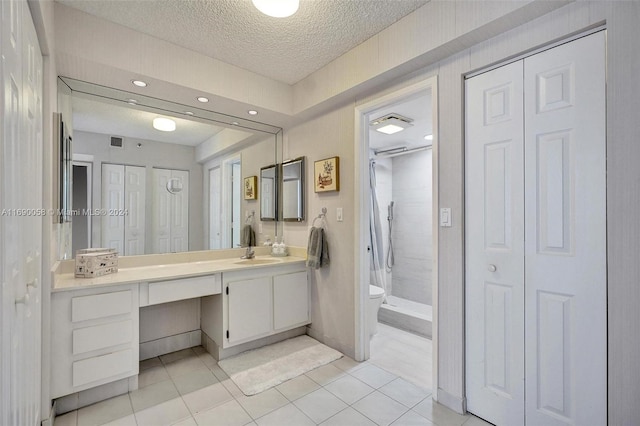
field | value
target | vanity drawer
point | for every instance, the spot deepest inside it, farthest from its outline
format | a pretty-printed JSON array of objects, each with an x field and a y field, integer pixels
[
  {"x": 102, "y": 336},
  {"x": 103, "y": 367},
  {"x": 186, "y": 288},
  {"x": 100, "y": 305}
]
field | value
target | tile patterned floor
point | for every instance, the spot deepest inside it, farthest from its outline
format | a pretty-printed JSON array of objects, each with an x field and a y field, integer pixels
[{"x": 189, "y": 388}]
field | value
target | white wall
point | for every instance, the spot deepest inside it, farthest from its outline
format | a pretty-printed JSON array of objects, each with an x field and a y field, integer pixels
[
  {"x": 150, "y": 154},
  {"x": 412, "y": 234}
]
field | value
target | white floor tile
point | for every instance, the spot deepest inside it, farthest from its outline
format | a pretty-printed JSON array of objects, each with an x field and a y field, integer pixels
[
  {"x": 153, "y": 395},
  {"x": 105, "y": 411},
  {"x": 233, "y": 389},
  {"x": 373, "y": 376},
  {"x": 189, "y": 421},
  {"x": 263, "y": 403},
  {"x": 439, "y": 414},
  {"x": 199, "y": 350},
  {"x": 194, "y": 380},
  {"x": 476, "y": 421},
  {"x": 320, "y": 405},
  {"x": 349, "y": 389},
  {"x": 347, "y": 364},
  {"x": 228, "y": 414},
  {"x": 207, "y": 398},
  {"x": 411, "y": 418},
  {"x": 404, "y": 392},
  {"x": 296, "y": 388},
  {"x": 130, "y": 420},
  {"x": 348, "y": 417},
  {"x": 288, "y": 415},
  {"x": 184, "y": 366},
  {"x": 174, "y": 356},
  {"x": 325, "y": 374},
  {"x": 167, "y": 413},
  {"x": 152, "y": 375},
  {"x": 380, "y": 408},
  {"x": 149, "y": 363},
  {"x": 207, "y": 359},
  {"x": 218, "y": 372}
]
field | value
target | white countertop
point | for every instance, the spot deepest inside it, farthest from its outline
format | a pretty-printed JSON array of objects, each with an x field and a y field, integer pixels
[{"x": 162, "y": 272}]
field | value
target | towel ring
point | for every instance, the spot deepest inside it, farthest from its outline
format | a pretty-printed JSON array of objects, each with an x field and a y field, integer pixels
[{"x": 322, "y": 216}]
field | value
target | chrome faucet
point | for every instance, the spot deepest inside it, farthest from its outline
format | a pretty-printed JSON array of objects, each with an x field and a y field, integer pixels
[{"x": 249, "y": 254}]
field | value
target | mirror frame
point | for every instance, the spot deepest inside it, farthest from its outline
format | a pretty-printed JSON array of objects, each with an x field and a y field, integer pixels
[
  {"x": 301, "y": 190},
  {"x": 261, "y": 193}
]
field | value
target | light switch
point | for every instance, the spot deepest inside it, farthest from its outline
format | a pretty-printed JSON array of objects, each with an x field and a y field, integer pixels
[
  {"x": 339, "y": 214},
  {"x": 445, "y": 217}
]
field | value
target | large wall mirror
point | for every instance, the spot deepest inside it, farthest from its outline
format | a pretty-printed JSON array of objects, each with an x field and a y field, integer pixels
[{"x": 142, "y": 188}]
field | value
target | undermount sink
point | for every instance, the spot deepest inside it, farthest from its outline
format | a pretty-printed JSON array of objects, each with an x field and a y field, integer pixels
[{"x": 257, "y": 261}]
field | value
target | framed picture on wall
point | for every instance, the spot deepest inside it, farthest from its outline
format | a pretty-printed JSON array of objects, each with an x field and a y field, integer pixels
[
  {"x": 327, "y": 174},
  {"x": 251, "y": 188}
]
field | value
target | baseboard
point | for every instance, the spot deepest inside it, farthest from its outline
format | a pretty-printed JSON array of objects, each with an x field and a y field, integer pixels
[
  {"x": 92, "y": 395},
  {"x": 170, "y": 344},
  {"x": 219, "y": 353},
  {"x": 332, "y": 343},
  {"x": 457, "y": 404}
]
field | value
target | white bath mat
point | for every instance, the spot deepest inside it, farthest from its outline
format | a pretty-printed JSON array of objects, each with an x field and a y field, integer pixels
[{"x": 260, "y": 369}]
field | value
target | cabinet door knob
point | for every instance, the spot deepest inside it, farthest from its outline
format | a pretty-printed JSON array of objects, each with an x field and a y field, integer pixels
[{"x": 492, "y": 268}]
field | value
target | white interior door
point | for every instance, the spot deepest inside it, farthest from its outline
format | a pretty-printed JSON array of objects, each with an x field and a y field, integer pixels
[
  {"x": 180, "y": 213},
  {"x": 215, "y": 220},
  {"x": 20, "y": 249},
  {"x": 495, "y": 246},
  {"x": 134, "y": 204},
  {"x": 565, "y": 222},
  {"x": 161, "y": 213},
  {"x": 556, "y": 318},
  {"x": 113, "y": 199}
]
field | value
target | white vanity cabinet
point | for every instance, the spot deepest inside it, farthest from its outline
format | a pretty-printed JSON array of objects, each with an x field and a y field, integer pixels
[
  {"x": 257, "y": 303},
  {"x": 94, "y": 337}
]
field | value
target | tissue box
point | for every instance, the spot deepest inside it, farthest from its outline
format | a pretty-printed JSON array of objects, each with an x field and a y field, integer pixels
[{"x": 95, "y": 262}]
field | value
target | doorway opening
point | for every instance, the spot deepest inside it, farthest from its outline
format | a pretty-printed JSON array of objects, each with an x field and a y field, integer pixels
[{"x": 396, "y": 241}]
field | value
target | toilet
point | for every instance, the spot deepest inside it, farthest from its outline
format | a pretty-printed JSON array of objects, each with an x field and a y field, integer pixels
[{"x": 376, "y": 294}]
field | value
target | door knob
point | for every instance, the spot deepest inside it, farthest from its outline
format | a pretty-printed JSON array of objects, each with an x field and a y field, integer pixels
[{"x": 492, "y": 268}]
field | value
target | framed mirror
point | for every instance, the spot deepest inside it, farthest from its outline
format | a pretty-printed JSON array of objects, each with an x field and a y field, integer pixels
[
  {"x": 269, "y": 192},
  {"x": 293, "y": 190}
]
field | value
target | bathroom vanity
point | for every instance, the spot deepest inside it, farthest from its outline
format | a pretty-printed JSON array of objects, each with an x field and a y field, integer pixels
[{"x": 95, "y": 322}]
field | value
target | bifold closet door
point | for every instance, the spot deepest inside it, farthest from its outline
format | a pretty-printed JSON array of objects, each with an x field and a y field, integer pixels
[
  {"x": 565, "y": 223},
  {"x": 495, "y": 245},
  {"x": 113, "y": 179},
  {"x": 536, "y": 239}
]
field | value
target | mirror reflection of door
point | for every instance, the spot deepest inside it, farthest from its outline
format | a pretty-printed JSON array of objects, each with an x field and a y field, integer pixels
[
  {"x": 81, "y": 224},
  {"x": 236, "y": 178},
  {"x": 215, "y": 217}
]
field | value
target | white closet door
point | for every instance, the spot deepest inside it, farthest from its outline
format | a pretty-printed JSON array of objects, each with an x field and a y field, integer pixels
[
  {"x": 161, "y": 213},
  {"x": 113, "y": 179},
  {"x": 134, "y": 219},
  {"x": 180, "y": 213},
  {"x": 494, "y": 292},
  {"x": 215, "y": 197},
  {"x": 566, "y": 300}
]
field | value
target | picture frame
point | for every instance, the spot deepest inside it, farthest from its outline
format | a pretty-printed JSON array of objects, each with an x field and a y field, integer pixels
[
  {"x": 326, "y": 174},
  {"x": 250, "y": 190}
]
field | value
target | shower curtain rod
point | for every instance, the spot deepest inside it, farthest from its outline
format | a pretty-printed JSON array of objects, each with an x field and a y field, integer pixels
[{"x": 394, "y": 152}]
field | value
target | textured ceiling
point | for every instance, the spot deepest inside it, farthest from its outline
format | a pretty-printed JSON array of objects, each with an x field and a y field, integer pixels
[{"x": 233, "y": 31}]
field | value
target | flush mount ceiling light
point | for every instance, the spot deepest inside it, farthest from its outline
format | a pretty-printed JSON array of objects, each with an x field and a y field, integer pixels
[
  {"x": 139, "y": 83},
  {"x": 277, "y": 8},
  {"x": 391, "y": 123},
  {"x": 202, "y": 99},
  {"x": 252, "y": 112},
  {"x": 164, "y": 124}
]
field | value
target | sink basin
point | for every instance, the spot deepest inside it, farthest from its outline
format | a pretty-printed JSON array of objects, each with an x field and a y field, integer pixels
[{"x": 257, "y": 261}]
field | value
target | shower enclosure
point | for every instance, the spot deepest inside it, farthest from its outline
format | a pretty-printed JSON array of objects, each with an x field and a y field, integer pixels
[{"x": 402, "y": 195}]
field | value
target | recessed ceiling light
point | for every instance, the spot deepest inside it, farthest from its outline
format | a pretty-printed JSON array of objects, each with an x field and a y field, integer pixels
[
  {"x": 391, "y": 123},
  {"x": 139, "y": 83},
  {"x": 164, "y": 124},
  {"x": 252, "y": 112},
  {"x": 188, "y": 112},
  {"x": 277, "y": 8},
  {"x": 428, "y": 137},
  {"x": 235, "y": 123},
  {"x": 202, "y": 99}
]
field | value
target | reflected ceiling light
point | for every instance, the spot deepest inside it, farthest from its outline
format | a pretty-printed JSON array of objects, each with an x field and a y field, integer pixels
[
  {"x": 139, "y": 83},
  {"x": 202, "y": 99},
  {"x": 235, "y": 123},
  {"x": 164, "y": 124},
  {"x": 277, "y": 8},
  {"x": 391, "y": 123},
  {"x": 428, "y": 137},
  {"x": 188, "y": 112},
  {"x": 252, "y": 112},
  {"x": 132, "y": 102}
]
